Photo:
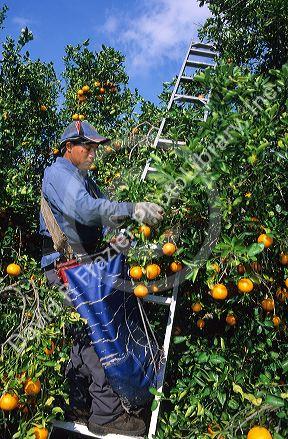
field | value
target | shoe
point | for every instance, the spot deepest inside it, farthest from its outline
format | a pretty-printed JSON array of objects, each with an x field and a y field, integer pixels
[
  {"x": 80, "y": 416},
  {"x": 125, "y": 424}
]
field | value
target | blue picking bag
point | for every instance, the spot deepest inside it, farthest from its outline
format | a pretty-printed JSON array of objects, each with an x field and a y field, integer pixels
[{"x": 115, "y": 326}]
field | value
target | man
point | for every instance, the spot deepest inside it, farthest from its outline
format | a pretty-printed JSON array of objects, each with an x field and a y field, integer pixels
[{"x": 81, "y": 211}]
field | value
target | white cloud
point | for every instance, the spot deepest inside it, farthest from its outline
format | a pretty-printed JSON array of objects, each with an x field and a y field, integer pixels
[
  {"x": 22, "y": 21},
  {"x": 161, "y": 30}
]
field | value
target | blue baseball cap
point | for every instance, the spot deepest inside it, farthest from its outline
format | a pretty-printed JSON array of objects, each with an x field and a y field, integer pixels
[{"x": 81, "y": 131}]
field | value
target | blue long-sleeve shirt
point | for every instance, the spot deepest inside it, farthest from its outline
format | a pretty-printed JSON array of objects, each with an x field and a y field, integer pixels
[{"x": 80, "y": 216}]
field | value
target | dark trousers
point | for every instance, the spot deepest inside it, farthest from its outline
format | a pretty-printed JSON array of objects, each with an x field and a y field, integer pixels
[{"x": 88, "y": 386}]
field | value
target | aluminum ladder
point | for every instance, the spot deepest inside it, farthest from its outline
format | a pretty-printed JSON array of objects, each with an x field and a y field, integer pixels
[
  {"x": 196, "y": 59},
  {"x": 199, "y": 57}
]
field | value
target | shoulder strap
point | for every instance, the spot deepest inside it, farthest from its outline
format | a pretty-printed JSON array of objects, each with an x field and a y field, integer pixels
[{"x": 59, "y": 238}]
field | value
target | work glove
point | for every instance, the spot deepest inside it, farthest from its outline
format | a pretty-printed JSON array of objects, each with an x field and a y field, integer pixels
[{"x": 148, "y": 213}]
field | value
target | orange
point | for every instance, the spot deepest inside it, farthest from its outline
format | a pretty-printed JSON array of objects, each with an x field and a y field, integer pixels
[
  {"x": 102, "y": 91},
  {"x": 200, "y": 96},
  {"x": 81, "y": 117},
  {"x": 254, "y": 219},
  {"x": 219, "y": 292},
  {"x": 245, "y": 285},
  {"x": 97, "y": 83},
  {"x": 117, "y": 145},
  {"x": 100, "y": 98},
  {"x": 31, "y": 387},
  {"x": 154, "y": 289},
  {"x": 13, "y": 269},
  {"x": 268, "y": 305},
  {"x": 140, "y": 290},
  {"x": 8, "y": 401},
  {"x": 135, "y": 130},
  {"x": 276, "y": 320},
  {"x": 82, "y": 98},
  {"x": 152, "y": 271},
  {"x": 176, "y": 266},
  {"x": 196, "y": 307},
  {"x": 282, "y": 294},
  {"x": 43, "y": 108},
  {"x": 231, "y": 320},
  {"x": 136, "y": 272},
  {"x": 286, "y": 282},
  {"x": 41, "y": 432},
  {"x": 284, "y": 259},
  {"x": 145, "y": 230},
  {"x": 169, "y": 249},
  {"x": 56, "y": 151},
  {"x": 265, "y": 239},
  {"x": 108, "y": 149},
  {"x": 49, "y": 351},
  {"x": 75, "y": 116},
  {"x": 80, "y": 92},
  {"x": 259, "y": 433},
  {"x": 93, "y": 167},
  {"x": 200, "y": 323},
  {"x": 85, "y": 88}
]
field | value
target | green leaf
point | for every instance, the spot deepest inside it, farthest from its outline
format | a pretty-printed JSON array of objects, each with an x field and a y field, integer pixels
[
  {"x": 179, "y": 339},
  {"x": 255, "y": 249},
  {"x": 275, "y": 401},
  {"x": 155, "y": 392},
  {"x": 154, "y": 404}
]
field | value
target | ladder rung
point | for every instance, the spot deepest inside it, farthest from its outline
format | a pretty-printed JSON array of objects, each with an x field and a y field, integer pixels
[
  {"x": 150, "y": 169},
  {"x": 169, "y": 142},
  {"x": 202, "y": 52},
  {"x": 160, "y": 300},
  {"x": 83, "y": 430},
  {"x": 203, "y": 45},
  {"x": 187, "y": 98},
  {"x": 187, "y": 78},
  {"x": 198, "y": 64}
]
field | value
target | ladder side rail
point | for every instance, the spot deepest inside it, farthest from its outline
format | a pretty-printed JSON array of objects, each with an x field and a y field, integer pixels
[
  {"x": 166, "y": 345},
  {"x": 173, "y": 94}
]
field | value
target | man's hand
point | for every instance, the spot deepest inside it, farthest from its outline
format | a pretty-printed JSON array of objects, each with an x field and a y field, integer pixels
[{"x": 148, "y": 213}]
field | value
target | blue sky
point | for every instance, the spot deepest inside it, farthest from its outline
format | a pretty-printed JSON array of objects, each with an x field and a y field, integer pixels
[{"x": 153, "y": 34}]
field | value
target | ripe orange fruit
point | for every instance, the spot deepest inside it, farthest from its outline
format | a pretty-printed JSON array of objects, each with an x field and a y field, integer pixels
[
  {"x": 85, "y": 88},
  {"x": 169, "y": 249},
  {"x": 8, "y": 401},
  {"x": 215, "y": 267},
  {"x": 276, "y": 320},
  {"x": 102, "y": 90},
  {"x": 135, "y": 130},
  {"x": 176, "y": 266},
  {"x": 82, "y": 98},
  {"x": 108, "y": 149},
  {"x": 56, "y": 151},
  {"x": 93, "y": 167},
  {"x": 265, "y": 239},
  {"x": 196, "y": 307},
  {"x": 254, "y": 219},
  {"x": 49, "y": 351},
  {"x": 258, "y": 432},
  {"x": 145, "y": 230},
  {"x": 268, "y": 305},
  {"x": 75, "y": 116},
  {"x": 286, "y": 282},
  {"x": 282, "y": 294},
  {"x": 245, "y": 285},
  {"x": 81, "y": 117},
  {"x": 152, "y": 271},
  {"x": 100, "y": 98},
  {"x": 219, "y": 292},
  {"x": 136, "y": 272},
  {"x": 31, "y": 387},
  {"x": 97, "y": 83},
  {"x": 80, "y": 92},
  {"x": 41, "y": 432},
  {"x": 13, "y": 270},
  {"x": 200, "y": 96},
  {"x": 154, "y": 289},
  {"x": 200, "y": 323},
  {"x": 117, "y": 145},
  {"x": 140, "y": 290},
  {"x": 284, "y": 258},
  {"x": 43, "y": 108},
  {"x": 231, "y": 320}
]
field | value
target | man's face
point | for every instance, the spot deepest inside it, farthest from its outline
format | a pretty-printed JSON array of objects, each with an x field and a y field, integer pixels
[{"x": 81, "y": 155}]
